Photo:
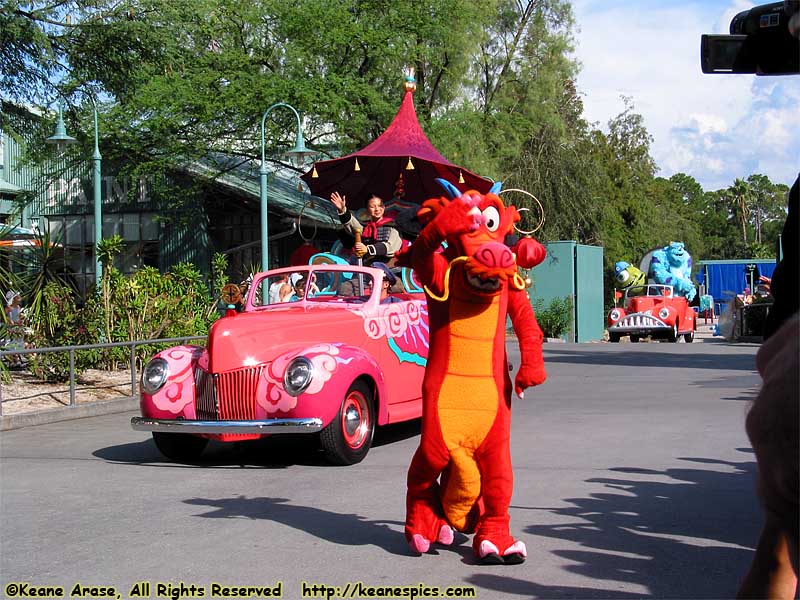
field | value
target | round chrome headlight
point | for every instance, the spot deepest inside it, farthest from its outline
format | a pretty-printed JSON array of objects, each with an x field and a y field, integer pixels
[
  {"x": 663, "y": 313},
  {"x": 615, "y": 314},
  {"x": 155, "y": 375},
  {"x": 298, "y": 375}
]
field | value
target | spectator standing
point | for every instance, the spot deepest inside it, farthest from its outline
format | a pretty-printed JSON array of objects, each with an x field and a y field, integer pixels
[{"x": 15, "y": 324}]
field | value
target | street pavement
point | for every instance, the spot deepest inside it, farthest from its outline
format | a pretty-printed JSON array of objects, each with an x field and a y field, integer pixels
[{"x": 633, "y": 479}]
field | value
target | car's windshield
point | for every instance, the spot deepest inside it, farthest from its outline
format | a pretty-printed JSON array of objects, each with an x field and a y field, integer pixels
[
  {"x": 315, "y": 285},
  {"x": 648, "y": 290}
]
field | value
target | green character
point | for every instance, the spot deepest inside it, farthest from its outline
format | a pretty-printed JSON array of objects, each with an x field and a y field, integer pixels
[{"x": 627, "y": 275}]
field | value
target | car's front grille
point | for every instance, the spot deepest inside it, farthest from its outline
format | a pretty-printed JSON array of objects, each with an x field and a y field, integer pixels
[
  {"x": 639, "y": 320},
  {"x": 226, "y": 396}
]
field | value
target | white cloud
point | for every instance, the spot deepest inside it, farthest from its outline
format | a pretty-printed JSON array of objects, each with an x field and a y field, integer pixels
[
  {"x": 708, "y": 123},
  {"x": 713, "y": 127}
]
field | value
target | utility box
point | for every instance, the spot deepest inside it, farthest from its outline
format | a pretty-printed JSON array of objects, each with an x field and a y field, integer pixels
[{"x": 573, "y": 271}]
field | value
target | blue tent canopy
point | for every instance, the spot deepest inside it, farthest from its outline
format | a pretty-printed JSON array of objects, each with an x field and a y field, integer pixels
[{"x": 726, "y": 278}]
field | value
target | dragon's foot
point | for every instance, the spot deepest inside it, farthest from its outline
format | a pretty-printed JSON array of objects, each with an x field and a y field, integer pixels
[
  {"x": 425, "y": 525},
  {"x": 420, "y": 544},
  {"x": 489, "y": 554}
]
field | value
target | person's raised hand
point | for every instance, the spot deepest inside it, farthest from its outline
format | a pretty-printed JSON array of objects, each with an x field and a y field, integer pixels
[{"x": 339, "y": 201}]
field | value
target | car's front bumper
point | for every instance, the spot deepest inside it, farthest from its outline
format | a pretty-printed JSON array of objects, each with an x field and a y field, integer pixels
[
  {"x": 270, "y": 426},
  {"x": 639, "y": 323}
]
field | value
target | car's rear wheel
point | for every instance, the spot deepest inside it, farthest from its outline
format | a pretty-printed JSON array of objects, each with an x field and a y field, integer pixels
[
  {"x": 180, "y": 446},
  {"x": 348, "y": 438},
  {"x": 613, "y": 338},
  {"x": 688, "y": 337},
  {"x": 634, "y": 339}
]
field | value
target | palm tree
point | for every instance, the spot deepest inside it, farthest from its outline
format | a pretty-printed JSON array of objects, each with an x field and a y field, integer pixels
[{"x": 740, "y": 193}]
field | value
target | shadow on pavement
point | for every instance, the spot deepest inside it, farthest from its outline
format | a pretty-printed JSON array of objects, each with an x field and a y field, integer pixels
[
  {"x": 522, "y": 588},
  {"x": 679, "y": 357},
  {"x": 274, "y": 453},
  {"x": 269, "y": 453},
  {"x": 679, "y": 533},
  {"x": 338, "y": 528}
]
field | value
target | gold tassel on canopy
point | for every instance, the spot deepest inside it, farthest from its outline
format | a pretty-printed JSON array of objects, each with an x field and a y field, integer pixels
[
  {"x": 357, "y": 167},
  {"x": 460, "y": 177},
  {"x": 314, "y": 174},
  {"x": 410, "y": 165}
]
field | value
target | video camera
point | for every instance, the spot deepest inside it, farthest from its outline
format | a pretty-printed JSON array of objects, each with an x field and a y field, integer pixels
[{"x": 764, "y": 40}]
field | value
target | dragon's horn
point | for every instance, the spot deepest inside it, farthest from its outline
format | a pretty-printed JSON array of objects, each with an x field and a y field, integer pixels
[
  {"x": 451, "y": 190},
  {"x": 496, "y": 187}
]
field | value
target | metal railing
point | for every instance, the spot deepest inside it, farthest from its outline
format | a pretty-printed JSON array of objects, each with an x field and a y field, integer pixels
[{"x": 73, "y": 349}]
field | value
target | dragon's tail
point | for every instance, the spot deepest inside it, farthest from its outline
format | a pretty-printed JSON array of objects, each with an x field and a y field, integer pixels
[{"x": 461, "y": 489}]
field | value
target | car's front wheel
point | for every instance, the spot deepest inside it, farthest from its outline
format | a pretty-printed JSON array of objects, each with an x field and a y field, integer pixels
[
  {"x": 348, "y": 438},
  {"x": 673, "y": 335},
  {"x": 688, "y": 337},
  {"x": 181, "y": 447},
  {"x": 613, "y": 338},
  {"x": 634, "y": 339}
]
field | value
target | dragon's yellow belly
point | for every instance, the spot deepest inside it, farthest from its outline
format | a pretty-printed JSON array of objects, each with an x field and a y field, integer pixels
[{"x": 469, "y": 395}]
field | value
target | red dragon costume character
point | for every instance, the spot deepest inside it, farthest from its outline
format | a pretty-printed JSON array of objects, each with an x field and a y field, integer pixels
[{"x": 461, "y": 475}]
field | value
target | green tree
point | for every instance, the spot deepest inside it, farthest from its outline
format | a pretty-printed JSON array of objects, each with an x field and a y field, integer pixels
[
  {"x": 106, "y": 250},
  {"x": 768, "y": 208},
  {"x": 739, "y": 195}
]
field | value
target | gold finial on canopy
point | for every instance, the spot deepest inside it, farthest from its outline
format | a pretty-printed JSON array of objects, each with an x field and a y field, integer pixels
[{"x": 410, "y": 84}]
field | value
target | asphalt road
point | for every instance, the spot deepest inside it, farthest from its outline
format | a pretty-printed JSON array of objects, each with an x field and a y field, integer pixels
[{"x": 633, "y": 479}]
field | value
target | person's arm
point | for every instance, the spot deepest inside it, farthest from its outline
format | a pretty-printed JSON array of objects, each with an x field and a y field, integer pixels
[
  {"x": 346, "y": 218},
  {"x": 387, "y": 248},
  {"x": 350, "y": 223}
]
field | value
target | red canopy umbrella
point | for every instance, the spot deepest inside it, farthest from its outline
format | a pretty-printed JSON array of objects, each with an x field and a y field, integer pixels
[{"x": 401, "y": 164}]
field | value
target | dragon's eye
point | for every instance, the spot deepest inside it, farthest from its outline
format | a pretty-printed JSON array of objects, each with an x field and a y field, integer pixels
[{"x": 491, "y": 218}]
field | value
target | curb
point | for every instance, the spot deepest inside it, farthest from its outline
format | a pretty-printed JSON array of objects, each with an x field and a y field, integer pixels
[{"x": 68, "y": 413}]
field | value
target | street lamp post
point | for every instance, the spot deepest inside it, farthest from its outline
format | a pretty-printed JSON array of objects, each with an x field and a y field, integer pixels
[
  {"x": 299, "y": 151},
  {"x": 60, "y": 139}
]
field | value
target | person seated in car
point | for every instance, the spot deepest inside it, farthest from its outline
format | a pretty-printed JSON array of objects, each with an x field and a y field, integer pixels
[
  {"x": 388, "y": 281},
  {"x": 297, "y": 288},
  {"x": 280, "y": 289}
]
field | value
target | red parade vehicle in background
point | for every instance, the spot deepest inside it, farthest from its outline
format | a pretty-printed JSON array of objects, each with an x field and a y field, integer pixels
[{"x": 652, "y": 310}]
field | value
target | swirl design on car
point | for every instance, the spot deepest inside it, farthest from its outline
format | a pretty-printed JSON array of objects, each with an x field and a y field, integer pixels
[
  {"x": 171, "y": 397},
  {"x": 273, "y": 398}
]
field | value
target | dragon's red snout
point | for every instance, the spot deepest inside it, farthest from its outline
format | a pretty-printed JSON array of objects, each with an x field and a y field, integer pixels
[{"x": 490, "y": 265}]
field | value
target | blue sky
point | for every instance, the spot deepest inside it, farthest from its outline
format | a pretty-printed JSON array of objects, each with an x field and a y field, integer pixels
[{"x": 713, "y": 127}]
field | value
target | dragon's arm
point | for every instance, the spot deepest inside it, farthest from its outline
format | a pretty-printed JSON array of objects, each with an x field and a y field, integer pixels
[
  {"x": 450, "y": 218},
  {"x": 531, "y": 370}
]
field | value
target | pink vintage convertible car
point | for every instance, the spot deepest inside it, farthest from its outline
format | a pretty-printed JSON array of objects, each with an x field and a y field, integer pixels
[{"x": 331, "y": 359}]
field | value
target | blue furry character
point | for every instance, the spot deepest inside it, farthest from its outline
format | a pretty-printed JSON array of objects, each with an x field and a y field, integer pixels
[{"x": 672, "y": 265}]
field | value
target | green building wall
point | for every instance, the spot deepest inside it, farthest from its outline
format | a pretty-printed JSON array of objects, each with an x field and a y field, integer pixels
[{"x": 573, "y": 271}]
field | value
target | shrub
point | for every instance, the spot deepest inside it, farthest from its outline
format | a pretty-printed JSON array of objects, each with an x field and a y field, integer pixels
[
  {"x": 61, "y": 323},
  {"x": 148, "y": 305},
  {"x": 556, "y": 319}
]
